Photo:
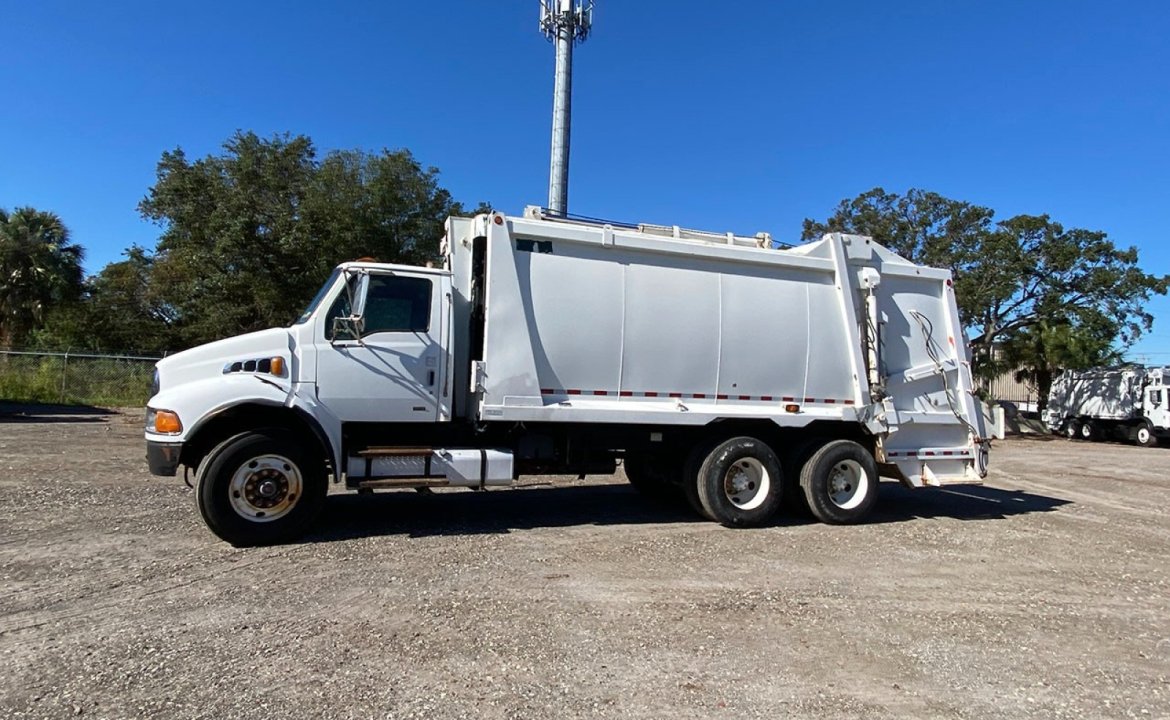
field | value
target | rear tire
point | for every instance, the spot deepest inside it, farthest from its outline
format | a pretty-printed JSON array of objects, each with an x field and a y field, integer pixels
[
  {"x": 691, "y": 479},
  {"x": 840, "y": 482},
  {"x": 740, "y": 483},
  {"x": 260, "y": 488}
]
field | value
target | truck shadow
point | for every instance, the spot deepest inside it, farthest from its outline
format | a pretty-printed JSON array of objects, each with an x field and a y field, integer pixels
[
  {"x": 350, "y": 516},
  {"x": 11, "y": 412}
]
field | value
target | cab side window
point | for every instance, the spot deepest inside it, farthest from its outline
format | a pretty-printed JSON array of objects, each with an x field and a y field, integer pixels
[{"x": 397, "y": 304}]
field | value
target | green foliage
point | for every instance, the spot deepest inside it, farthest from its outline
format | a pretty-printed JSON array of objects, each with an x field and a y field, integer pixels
[
  {"x": 249, "y": 235},
  {"x": 107, "y": 382},
  {"x": 1046, "y": 295},
  {"x": 1038, "y": 353},
  {"x": 120, "y": 310},
  {"x": 40, "y": 269}
]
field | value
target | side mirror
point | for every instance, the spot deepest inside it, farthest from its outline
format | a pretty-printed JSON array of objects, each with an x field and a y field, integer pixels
[{"x": 347, "y": 329}]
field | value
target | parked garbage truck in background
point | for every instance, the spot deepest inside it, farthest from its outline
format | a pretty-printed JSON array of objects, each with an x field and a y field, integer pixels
[
  {"x": 711, "y": 365},
  {"x": 1127, "y": 403}
]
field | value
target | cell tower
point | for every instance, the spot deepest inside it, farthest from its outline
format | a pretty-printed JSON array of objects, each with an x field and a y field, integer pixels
[{"x": 565, "y": 23}]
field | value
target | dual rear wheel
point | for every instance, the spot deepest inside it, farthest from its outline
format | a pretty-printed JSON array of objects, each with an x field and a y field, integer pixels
[{"x": 741, "y": 481}]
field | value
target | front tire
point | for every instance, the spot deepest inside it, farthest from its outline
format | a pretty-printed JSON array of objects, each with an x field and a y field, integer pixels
[
  {"x": 260, "y": 488},
  {"x": 840, "y": 482},
  {"x": 1144, "y": 436},
  {"x": 740, "y": 483},
  {"x": 1089, "y": 431},
  {"x": 1072, "y": 429}
]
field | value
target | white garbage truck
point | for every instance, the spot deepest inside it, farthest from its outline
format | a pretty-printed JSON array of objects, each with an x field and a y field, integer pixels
[
  {"x": 1126, "y": 403},
  {"x": 712, "y": 366}
]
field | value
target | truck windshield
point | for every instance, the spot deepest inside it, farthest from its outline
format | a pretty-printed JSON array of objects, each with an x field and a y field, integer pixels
[{"x": 320, "y": 296}]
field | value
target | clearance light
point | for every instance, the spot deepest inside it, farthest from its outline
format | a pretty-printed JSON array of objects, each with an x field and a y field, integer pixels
[
  {"x": 277, "y": 367},
  {"x": 791, "y": 408},
  {"x": 167, "y": 422}
]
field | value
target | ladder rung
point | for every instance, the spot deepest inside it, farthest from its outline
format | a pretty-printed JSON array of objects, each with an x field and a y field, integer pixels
[
  {"x": 395, "y": 452},
  {"x": 402, "y": 482}
]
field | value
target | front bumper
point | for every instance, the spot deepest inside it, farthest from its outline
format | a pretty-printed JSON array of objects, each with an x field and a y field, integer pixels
[{"x": 163, "y": 458}]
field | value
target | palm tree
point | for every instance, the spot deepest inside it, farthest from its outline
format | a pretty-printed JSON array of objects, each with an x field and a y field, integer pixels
[{"x": 39, "y": 268}]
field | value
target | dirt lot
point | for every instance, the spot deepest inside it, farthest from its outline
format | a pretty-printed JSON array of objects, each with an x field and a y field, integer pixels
[{"x": 1045, "y": 593}]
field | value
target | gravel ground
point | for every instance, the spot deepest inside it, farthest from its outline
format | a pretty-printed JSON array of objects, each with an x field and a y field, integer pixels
[{"x": 1044, "y": 593}]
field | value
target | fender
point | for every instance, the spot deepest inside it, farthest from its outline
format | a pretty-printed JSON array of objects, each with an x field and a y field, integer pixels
[{"x": 200, "y": 401}]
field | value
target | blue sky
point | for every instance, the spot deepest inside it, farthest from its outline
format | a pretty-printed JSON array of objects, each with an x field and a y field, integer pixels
[{"x": 725, "y": 116}]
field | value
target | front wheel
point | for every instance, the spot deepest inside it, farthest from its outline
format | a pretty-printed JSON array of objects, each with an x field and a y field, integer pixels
[
  {"x": 840, "y": 482},
  {"x": 1089, "y": 431},
  {"x": 1144, "y": 435},
  {"x": 1072, "y": 429},
  {"x": 260, "y": 488}
]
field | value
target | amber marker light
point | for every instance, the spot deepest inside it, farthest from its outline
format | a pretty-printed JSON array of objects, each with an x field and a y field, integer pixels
[
  {"x": 277, "y": 366},
  {"x": 791, "y": 408},
  {"x": 167, "y": 422}
]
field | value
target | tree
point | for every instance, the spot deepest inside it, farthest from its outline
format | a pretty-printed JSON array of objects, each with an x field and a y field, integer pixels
[
  {"x": 1038, "y": 353},
  {"x": 1038, "y": 291},
  {"x": 119, "y": 310},
  {"x": 249, "y": 235},
  {"x": 40, "y": 268}
]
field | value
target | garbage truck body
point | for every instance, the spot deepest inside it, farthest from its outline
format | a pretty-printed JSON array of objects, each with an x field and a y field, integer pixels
[
  {"x": 1126, "y": 403},
  {"x": 713, "y": 367}
]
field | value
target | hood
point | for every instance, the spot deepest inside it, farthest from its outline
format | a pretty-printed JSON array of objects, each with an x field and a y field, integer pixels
[{"x": 208, "y": 360}]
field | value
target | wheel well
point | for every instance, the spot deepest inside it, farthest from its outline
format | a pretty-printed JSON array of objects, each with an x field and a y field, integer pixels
[{"x": 241, "y": 418}]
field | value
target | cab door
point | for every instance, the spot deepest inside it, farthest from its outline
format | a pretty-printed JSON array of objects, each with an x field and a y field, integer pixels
[
  {"x": 1156, "y": 406},
  {"x": 390, "y": 365}
]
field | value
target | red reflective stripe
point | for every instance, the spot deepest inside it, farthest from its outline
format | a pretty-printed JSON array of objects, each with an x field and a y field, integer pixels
[
  {"x": 745, "y": 397},
  {"x": 676, "y": 395},
  {"x": 547, "y": 391},
  {"x": 720, "y": 397},
  {"x": 810, "y": 400},
  {"x": 626, "y": 393},
  {"x": 650, "y": 394},
  {"x": 572, "y": 392},
  {"x": 699, "y": 396},
  {"x": 829, "y": 401},
  {"x": 787, "y": 399},
  {"x": 849, "y": 402},
  {"x": 600, "y": 392},
  {"x": 929, "y": 453},
  {"x": 766, "y": 398}
]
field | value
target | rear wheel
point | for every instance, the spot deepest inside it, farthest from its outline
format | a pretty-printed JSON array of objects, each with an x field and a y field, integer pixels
[
  {"x": 740, "y": 482},
  {"x": 840, "y": 482},
  {"x": 260, "y": 488}
]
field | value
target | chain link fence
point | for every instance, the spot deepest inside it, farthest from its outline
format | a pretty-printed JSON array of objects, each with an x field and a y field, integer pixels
[{"x": 28, "y": 376}]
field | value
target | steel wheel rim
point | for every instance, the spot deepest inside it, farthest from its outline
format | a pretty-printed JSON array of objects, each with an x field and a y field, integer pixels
[
  {"x": 1070, "y": 430},
  {"x": 746, "y": 483},
  {"x": 848, "y": 484},
  {"x": 1143, "y": 435},
  {"x": 1086, "y": 431},
  {"x": 265, "y": 488}
]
